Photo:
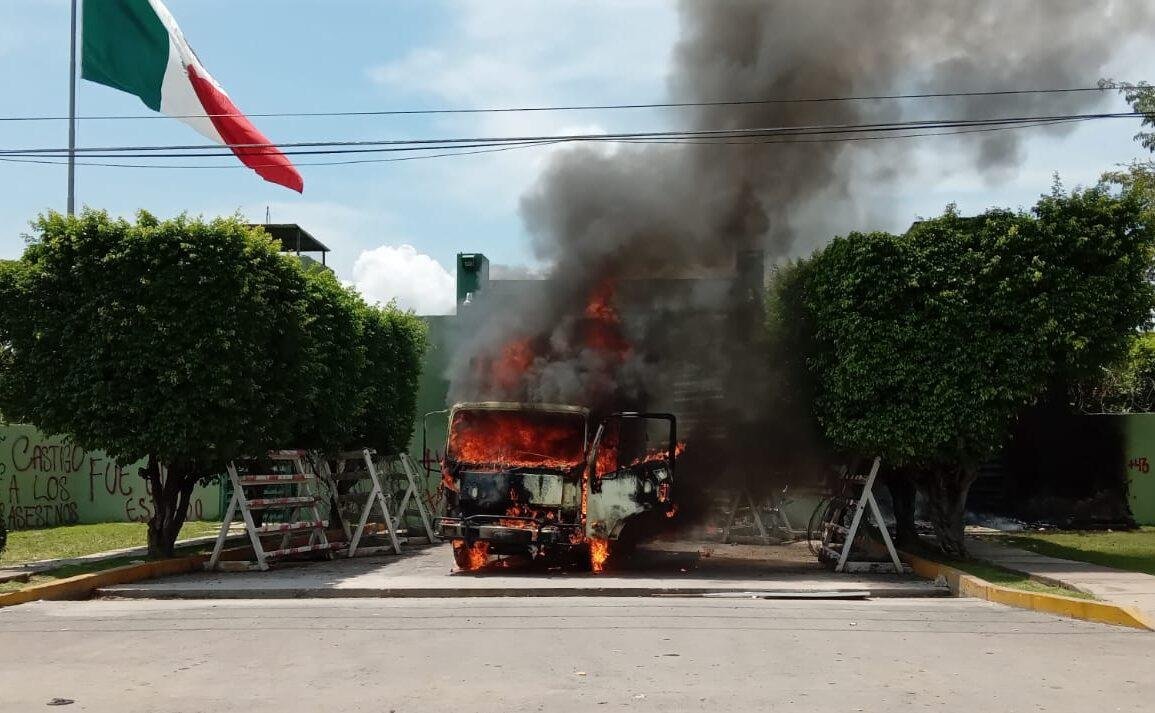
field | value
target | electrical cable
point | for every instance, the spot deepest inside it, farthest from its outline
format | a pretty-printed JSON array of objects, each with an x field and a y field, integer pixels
[
  {"x": 665, "y": 142},
  {"x": 380, "y": 146},
  {"x": 579, "y": 107}
]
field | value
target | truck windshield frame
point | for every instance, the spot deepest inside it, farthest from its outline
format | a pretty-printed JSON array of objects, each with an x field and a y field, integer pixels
[{"x": 517, "y": 437}]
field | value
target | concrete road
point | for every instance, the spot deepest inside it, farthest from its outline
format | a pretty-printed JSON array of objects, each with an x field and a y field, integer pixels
[
  {"x": 563, "y": 655},
  {"x": 429, "y": 572}
]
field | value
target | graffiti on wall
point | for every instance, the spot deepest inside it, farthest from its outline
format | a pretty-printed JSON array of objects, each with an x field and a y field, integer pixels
[{"x": 46, "y": 481}]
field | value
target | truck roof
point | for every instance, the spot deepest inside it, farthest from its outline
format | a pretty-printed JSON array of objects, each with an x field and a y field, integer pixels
[{"x": 519, "y": 406}]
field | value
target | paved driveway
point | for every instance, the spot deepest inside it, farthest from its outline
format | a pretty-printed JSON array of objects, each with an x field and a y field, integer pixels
[
  {"x": 429, "y": 571},
  {"x": 565, "y": 655}
]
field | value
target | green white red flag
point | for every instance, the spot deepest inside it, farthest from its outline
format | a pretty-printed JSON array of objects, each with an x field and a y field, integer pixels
[{"x": 137, "y": 47}]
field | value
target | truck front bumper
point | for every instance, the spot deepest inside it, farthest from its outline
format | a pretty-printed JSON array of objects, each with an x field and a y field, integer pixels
[{"x": 508, "y": 531}]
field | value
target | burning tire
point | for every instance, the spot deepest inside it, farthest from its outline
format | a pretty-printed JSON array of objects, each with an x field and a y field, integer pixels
[{"x": 470, "y": 557}]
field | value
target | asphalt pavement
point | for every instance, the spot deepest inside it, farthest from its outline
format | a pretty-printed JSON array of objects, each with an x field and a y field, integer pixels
[{"x": 563, "y": 655}]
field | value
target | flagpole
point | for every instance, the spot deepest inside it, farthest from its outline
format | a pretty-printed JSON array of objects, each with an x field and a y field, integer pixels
[{"x": 72, "y": 115}]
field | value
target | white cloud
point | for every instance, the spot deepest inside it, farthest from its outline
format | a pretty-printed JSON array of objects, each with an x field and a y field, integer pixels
[
  {"x": 529, "y": 53},
  {"x": 517, "y": 51},
  {"x": 415, "y": 280}
]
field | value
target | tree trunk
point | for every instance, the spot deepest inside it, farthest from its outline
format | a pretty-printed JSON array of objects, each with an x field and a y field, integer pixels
[
  {"x": 946, "y": 491},
  {"x": 902, "y": 496},
  {"x": 171, "y": 495}
]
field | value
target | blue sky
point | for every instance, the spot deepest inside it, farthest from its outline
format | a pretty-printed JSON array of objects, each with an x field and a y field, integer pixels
[{"x": 314, "y": 55}]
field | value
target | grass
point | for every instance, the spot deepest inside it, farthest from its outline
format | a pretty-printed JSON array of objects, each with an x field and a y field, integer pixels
[
  {"x": 1132, "y": 551},
  {"x": 78, "y": 540},
  {"x": 996, "y": 575},
  {"x": 1013, "y": 580}
]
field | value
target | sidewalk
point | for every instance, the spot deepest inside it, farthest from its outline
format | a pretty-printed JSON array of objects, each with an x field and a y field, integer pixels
[
  {"x": 674, "y": 569},
  {"x": 1132, "y": 589}
]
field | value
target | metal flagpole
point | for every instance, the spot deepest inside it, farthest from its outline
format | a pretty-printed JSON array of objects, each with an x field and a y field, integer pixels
[{"x": 72, "y": 115}]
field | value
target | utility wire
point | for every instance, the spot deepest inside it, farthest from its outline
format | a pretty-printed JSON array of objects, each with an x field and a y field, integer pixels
[
  {"x": 382, "y": 146},
  {"x": 348, "y": 162},
  {"x": 578, "y": 107},
  {"x": 661, "y": 142}
]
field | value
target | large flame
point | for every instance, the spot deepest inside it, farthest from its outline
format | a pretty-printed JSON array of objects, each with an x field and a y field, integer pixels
[
  {"x": 509, "y": 438},
  {"x": 524, "y": 438}
]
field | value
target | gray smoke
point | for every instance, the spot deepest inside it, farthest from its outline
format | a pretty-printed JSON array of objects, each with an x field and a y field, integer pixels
[
  {"x": 681, "y": 207},
  {"x": 682, "y": 211}
]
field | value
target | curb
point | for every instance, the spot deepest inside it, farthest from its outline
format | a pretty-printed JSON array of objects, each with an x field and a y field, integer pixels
[
  {"x": 83, "y": 585},
  {"x": 481, "y": 592},
  {"x": 967, "y": 585}
]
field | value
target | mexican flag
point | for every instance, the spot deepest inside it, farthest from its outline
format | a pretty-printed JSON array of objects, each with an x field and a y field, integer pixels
[{"x": 136, "y": 46}]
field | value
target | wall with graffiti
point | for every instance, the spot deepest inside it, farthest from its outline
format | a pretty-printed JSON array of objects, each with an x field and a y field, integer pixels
[
  {"x": 46, "y": 481},
  {"x": 1140, "y": 457}
]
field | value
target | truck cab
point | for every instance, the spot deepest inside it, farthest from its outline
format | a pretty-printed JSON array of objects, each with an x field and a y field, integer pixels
[{"x": 527, "y": 479}]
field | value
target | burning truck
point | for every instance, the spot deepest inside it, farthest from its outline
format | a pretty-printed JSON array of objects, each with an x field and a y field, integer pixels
[{"x": 528, "y": 479}]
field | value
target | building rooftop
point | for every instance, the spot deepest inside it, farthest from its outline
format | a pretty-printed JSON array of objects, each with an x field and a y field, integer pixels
[{"x": 294, "y": 238}]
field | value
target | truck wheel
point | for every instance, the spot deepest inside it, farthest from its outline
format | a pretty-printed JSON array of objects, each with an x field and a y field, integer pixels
[{"x": 470, "y": 558}]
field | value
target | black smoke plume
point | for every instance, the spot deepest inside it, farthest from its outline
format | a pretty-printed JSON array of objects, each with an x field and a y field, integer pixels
[{"x": 650, "y": 218}]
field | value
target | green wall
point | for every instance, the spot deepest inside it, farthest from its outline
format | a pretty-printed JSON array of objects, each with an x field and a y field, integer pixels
[
  {"x": 44, "y": 481},
  {"x": 1139, "y": 460},
  {"x": 433, "y": 389}
]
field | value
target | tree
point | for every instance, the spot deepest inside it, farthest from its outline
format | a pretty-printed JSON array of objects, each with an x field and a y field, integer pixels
[
  {"x": 1122, "y": 388},
  {"x": 395, "y": 343},
  {"x": 331, "y": 396},
  {"x": 180, "y": 342},
  {"x": 923, "y": 348},
  {"x": 365, "y": 363},
  {"x": 1141, "y": 97}
]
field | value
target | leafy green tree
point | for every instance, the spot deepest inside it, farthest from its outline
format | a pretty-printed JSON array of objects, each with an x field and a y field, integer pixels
[
  {"x": 923, "y": 348},
  {"x": 1122, "y": 388},
  {"x": 365, "y": 363},
  {"x": 395, "y": 343},
  {"x": 191, "y": 343},
  {"x": 331, "y": 396},
  {"x": 1141, "y": 97},
  {"x": 178, "y": 341}
]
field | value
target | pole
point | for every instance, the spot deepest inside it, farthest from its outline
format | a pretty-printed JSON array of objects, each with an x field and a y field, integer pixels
[{"x": 72, "y": 114}]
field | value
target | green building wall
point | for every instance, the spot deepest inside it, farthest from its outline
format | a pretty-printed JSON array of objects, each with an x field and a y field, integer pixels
[
  {"x": 45, "y": 481},
  {"x": 1139, "y": 460}
]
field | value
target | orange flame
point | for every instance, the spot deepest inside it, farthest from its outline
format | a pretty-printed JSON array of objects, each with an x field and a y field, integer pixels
[
  {"x": 447, "y": 481},
  {"x": 518, "y": 510},
  {"x": 478, "y": 553},
  {"x": 517, "y": 438},
  {"x": 602, "y": 329},
  {"x": 599, "y": 551},
  {"x": 515, "y": 360}
]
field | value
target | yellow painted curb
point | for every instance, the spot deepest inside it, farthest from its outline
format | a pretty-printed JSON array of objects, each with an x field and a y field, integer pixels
[
  {"x": 83, "y": 585},
  {"x": 967, "y": 585}
]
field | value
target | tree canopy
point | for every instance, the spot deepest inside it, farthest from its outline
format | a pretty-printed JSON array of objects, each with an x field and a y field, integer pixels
[
  {"x": 191, "y": 343},
  {"x": 923, "y": 348},
  {"x": 179, "y": 339}
]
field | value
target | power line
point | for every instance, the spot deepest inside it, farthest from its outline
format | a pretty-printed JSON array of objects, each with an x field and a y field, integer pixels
[
  {"x": 578, "y": 107},
  {"x": 58, "y": 162},
  {"x": 662, "y": 142},
  {"x": 402, "y": 145}
]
